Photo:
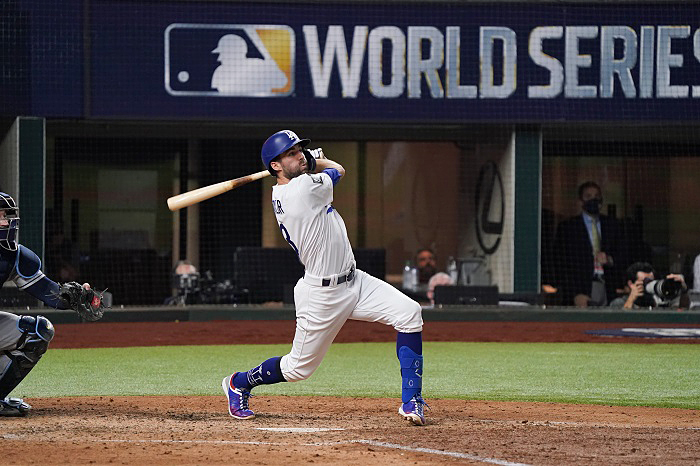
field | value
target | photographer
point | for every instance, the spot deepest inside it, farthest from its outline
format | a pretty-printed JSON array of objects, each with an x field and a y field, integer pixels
[
  {"x": 185, "y": 283},
  {"x": 644, "y": 291}
]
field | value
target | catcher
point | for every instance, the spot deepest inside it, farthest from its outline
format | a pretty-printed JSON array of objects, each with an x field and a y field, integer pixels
[{"x": 24, "y": 339}]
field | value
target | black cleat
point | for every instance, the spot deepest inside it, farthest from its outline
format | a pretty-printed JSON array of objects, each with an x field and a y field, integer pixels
[{"x": 14, "y": 407}]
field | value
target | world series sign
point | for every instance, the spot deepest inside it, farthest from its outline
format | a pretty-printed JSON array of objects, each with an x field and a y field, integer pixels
[
  {"x": 431, "y": 55},
  {"x": 372, "y": 62}
]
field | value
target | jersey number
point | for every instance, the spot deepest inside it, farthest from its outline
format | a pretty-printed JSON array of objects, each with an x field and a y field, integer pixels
[{"x": 285, "y": 233}]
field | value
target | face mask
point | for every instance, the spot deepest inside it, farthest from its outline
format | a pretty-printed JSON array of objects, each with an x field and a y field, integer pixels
[{"x": 592, "y": 206}]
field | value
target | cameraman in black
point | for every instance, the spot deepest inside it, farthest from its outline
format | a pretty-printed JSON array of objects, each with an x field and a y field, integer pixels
[{"x": 644, "y": 291}]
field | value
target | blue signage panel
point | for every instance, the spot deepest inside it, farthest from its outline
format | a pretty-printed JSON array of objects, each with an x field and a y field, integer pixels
[
  {"x": 390, "y": 63},
  {"x": 41, "y": 58}
]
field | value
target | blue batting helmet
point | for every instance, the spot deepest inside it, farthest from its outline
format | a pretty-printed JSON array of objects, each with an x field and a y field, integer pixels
[
  {"x": 278, "y": 143},
  {"x": 9, "y": 233}
]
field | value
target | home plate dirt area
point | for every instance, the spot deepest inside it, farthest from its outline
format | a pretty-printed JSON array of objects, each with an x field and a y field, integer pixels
[{"x": 328, "y": 430}]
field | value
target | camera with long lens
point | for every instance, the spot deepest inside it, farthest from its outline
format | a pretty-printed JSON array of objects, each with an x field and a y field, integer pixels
[
  {"x": 665, "y": 289},
  {"x": 193, "y": 288},
  {"x": 188, "y": 283},
  {"x": 187, "y": 286}
]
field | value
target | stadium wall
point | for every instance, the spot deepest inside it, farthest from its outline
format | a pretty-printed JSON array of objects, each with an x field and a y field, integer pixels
[{"x": 552, "y": 94}]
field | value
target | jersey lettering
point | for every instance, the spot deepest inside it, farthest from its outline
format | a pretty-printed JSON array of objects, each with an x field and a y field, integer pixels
[
  {"x": 277, "y": 206},
  {"x": 285, "y": 233}
]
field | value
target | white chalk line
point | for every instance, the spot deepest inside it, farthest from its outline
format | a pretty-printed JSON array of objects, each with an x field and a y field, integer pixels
[
  {"x": 299, "y": 430},
  {"x": 374, "y": 443},
  {"x": 439, "y": 452},
  {"x": 583, "y": 424}
]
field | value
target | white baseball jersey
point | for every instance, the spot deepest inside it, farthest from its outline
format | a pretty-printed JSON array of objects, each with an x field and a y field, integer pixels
[
  {"x": 311, "y": 225},
  {"x": 332, "y": 290}
]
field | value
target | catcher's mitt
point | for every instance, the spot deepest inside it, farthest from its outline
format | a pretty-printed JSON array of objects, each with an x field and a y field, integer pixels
[{"x": 83, "y": 300}]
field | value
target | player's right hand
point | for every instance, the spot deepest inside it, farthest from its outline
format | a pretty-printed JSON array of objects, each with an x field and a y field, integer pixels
[{"x": 317, "y": 153}]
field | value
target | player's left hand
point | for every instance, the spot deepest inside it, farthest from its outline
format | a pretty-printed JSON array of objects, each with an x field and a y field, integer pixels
[
  {"x": 83, "y": 300},
  {"x": 310, "y": 161}
]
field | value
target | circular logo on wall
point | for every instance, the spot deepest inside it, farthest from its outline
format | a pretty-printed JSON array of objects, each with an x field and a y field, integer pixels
[{"x": 490, "y": 207}]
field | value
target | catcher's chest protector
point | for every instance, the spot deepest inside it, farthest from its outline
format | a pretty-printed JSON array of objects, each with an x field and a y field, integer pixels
[{"x": 7, "y": 264}]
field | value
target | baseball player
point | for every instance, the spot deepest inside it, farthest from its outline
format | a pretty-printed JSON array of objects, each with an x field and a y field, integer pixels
[
  {"x": 332, "y": 289},
  {"x": 24, "y": 339}
]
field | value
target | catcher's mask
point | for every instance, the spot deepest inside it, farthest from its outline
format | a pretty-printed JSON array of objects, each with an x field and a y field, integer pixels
[
  {"x": 278, "y": 143},
  {"x": 9, "y": 233}
]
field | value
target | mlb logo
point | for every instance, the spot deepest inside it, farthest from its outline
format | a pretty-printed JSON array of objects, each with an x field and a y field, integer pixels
[{"x": 229, "y": 60}]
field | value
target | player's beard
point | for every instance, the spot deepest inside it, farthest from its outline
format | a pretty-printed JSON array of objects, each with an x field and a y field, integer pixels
[{"x": 293, "y": 172}]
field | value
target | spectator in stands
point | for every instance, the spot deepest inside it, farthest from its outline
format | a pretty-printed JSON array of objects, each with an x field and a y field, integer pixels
[
  {"x": 62, "y": 257},
  {"x": 440, "y": 278},
  {"x": 636, "y": 297},
  {"x": 426, "y": 264},
  {"x": 588, "y": 252},
  {"x": 185, "y": 284},
  {"x": 694, "y": 294},
  {"x": 185, "y": 267}
]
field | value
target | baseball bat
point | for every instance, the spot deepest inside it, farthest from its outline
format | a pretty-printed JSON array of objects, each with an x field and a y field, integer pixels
[{"x": 207, "y": 192}]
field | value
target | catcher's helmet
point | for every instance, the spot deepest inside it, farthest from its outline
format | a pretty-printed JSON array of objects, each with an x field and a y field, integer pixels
[
  {"x": 278, "y": 143},
  {"x": 9, "y": 233}
]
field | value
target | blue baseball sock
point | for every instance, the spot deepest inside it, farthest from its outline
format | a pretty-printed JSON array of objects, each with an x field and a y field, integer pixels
[
  {"x": 414, "y": 341},
  {"x": 267, "y": 373}
]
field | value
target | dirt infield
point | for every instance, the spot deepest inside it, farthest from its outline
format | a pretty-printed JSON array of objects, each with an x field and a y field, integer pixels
[{"x": 327, "y": 430}]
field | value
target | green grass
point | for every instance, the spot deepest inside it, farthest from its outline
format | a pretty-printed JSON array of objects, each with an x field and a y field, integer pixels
[{"x": 664, "y": 375}]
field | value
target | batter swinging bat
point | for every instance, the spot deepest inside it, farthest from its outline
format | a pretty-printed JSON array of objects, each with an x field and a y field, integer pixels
[{"x": 206, "y": 192}]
